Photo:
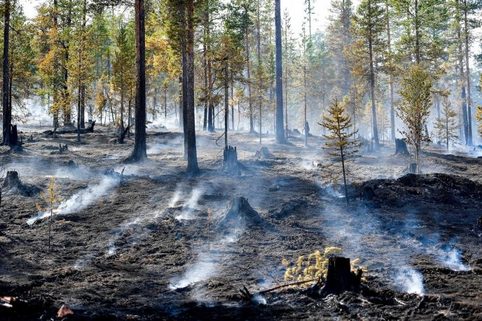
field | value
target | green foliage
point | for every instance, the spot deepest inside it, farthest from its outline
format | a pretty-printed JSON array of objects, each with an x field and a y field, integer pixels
[
  {"x": 340, "y": 139},
  {"x": 446, "y": 126},
  {"x": 414, "y": 108}
]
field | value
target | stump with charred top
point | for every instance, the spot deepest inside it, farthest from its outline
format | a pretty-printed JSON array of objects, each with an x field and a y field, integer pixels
[
  {"x": 13, "y": 184},
  {"x": 264, "y": 153},
  {"x": 401, "y": 147},
  {"x": 339, "y": 278},
  {"x": 241, "y": 214},
  {"x": 230, "y": 160}
]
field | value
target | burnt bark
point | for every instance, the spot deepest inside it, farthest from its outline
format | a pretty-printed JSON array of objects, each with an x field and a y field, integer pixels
[
  {"x": 7, "y": 111},
  {"x": 139, "y": 153},
  {"x": 187, "y": 45},
  {"x": 280, "y": 133}
]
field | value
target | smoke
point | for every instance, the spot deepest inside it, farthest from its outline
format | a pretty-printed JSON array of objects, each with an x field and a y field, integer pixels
[
  {"x": 111, "y": 247},
  {"x": 82, "y": 199},
  {"x": 409, "y": 280},
  {"x": 117, "y": 234},
  {"x": 191, "y": 205},
  {"x": 452, "y": 258}
]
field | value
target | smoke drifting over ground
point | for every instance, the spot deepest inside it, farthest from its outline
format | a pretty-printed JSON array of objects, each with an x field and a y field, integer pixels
[
  {"x": 151, "y": 239},
  {"x": 82, "y": 199}
]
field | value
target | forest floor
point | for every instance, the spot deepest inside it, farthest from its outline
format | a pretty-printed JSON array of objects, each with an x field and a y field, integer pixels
[{"x": 146, "y": 245}]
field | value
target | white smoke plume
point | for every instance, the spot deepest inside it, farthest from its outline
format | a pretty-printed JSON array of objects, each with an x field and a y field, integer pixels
[
  {"x": 82, "y": 199},
  {"x": 410, "y": 281}
]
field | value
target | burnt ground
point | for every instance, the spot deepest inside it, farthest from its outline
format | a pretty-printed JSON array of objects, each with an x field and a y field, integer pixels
[{"x": 149, "y": 246}]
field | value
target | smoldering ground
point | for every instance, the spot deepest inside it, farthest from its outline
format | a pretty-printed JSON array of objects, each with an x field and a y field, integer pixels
[{"x": 130, "y": 252}]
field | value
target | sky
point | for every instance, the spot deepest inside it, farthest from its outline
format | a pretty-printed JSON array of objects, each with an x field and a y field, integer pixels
[{"x": 295, "y": 9}]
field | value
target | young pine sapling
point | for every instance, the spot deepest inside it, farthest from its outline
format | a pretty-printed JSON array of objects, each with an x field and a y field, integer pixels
[
  {"x": 340, "y": 137},
  {"x": 446, "y": 126},
  {"x": 50, "y": 198}
]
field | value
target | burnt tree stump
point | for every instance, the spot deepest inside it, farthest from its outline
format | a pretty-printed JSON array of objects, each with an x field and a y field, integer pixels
[
  {"x": 122, "y": 134},
  {"x": 12, "y": 180},
  {"x": 264, "y": 153},
  {"x": 12, "y": 183},
  {"x": 339, "y": 278},
  {"x": 241, "y": 214},
  {"x": 230, "y": 160},
  {"x": 401, "y": 147}
]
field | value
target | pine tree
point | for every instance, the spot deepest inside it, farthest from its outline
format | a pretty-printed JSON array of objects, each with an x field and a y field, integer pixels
[
  {"x": 139, "y": 153},
  {"x": 280, "y": 134},
  {"x": 123, "y": 71},
  {"x": 446, "y": 126},
  {"x": 7, "y": 111},
  {"x": 369, "y": 26},
  {"x": 340, "y": 140},
  {"x": 414, "y": 108}
]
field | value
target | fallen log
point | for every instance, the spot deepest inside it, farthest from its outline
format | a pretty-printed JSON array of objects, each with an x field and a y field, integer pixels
[{"x": 71, "y": 130}]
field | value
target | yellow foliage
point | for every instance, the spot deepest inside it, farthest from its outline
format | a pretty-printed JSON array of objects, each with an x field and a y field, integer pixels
[
  {"x": 50, "y": 197},
  {"x": 313, "y": 267}
]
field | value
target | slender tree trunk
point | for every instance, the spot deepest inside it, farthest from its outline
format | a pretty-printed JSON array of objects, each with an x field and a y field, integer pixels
[
  {"x": 390, "y": 77},
  {"x": 205, "y": 65},
  {"x": 467, "y": 72},
  {"x": 280, "y": 133},
  {"x": 417, "y": 33},
  {"x": 188, "y": 86},
  {"x": 66, "y": 95},
  {"x": 165, "y": 102},
  {"x": 447, "y": 130},
  {"x": 372, "y": 86},
  {"x": 226, "y": 102},
  {"x": 286, "y": 79},
  {"x": 232, "y": 100},
  {"x": 7, "y": 112},
  {"x": 139, "y": 152},
  {"x": 260, "y": 76},
  {"x": 462, "y": 77},
  {"x": 342, "y": 154},
  {"x": 248, "y": 80},
  {"x": 82, "y": 86}
]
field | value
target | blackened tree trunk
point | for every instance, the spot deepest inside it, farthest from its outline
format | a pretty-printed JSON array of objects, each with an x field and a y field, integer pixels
[
  {"x": 232, "y": 101},
  {"x": 372, "y": 87},
  {"x": 7, "y": 111},
  {"x": 248, "y": 81},
  {"x": 82, "y": 87},
  {"x": 280, "y": 132},
  {"x": 260, "y": 66},
  {"x": 462, "y": 79},
  {"x": 187, "y": 44},
  {"x": 390, "y": 80},
  {"x": 226, "y": 102},
  {"x": 467, "y": 72},
  {"x": 65, "y": 85},
  {"x": 139, "y": 152}
]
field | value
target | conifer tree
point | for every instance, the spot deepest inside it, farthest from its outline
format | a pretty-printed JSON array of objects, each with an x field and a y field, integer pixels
[
  {"x": 369, "y": 26},
  {"x": 446, "y": 126},
  {"x": 414, "y": 108},
  {"x": 340, "y": 139}
]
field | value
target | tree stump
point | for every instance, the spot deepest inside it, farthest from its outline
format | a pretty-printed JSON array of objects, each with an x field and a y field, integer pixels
[
  {"x": 12, "y": 180},
  {"x": 240, "y": 215},
  {"x": 412, "y": 168},
  {"x": 13, "y": 184},
  {"x": 122, "y": 134},
  {"x": 339, "y": 278},
  {"x": 401, "y": 147},
  {"x": 264, "y": 153},
  {"x": 14, "y": 136},
  {"x": 230, "y": 160}
]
